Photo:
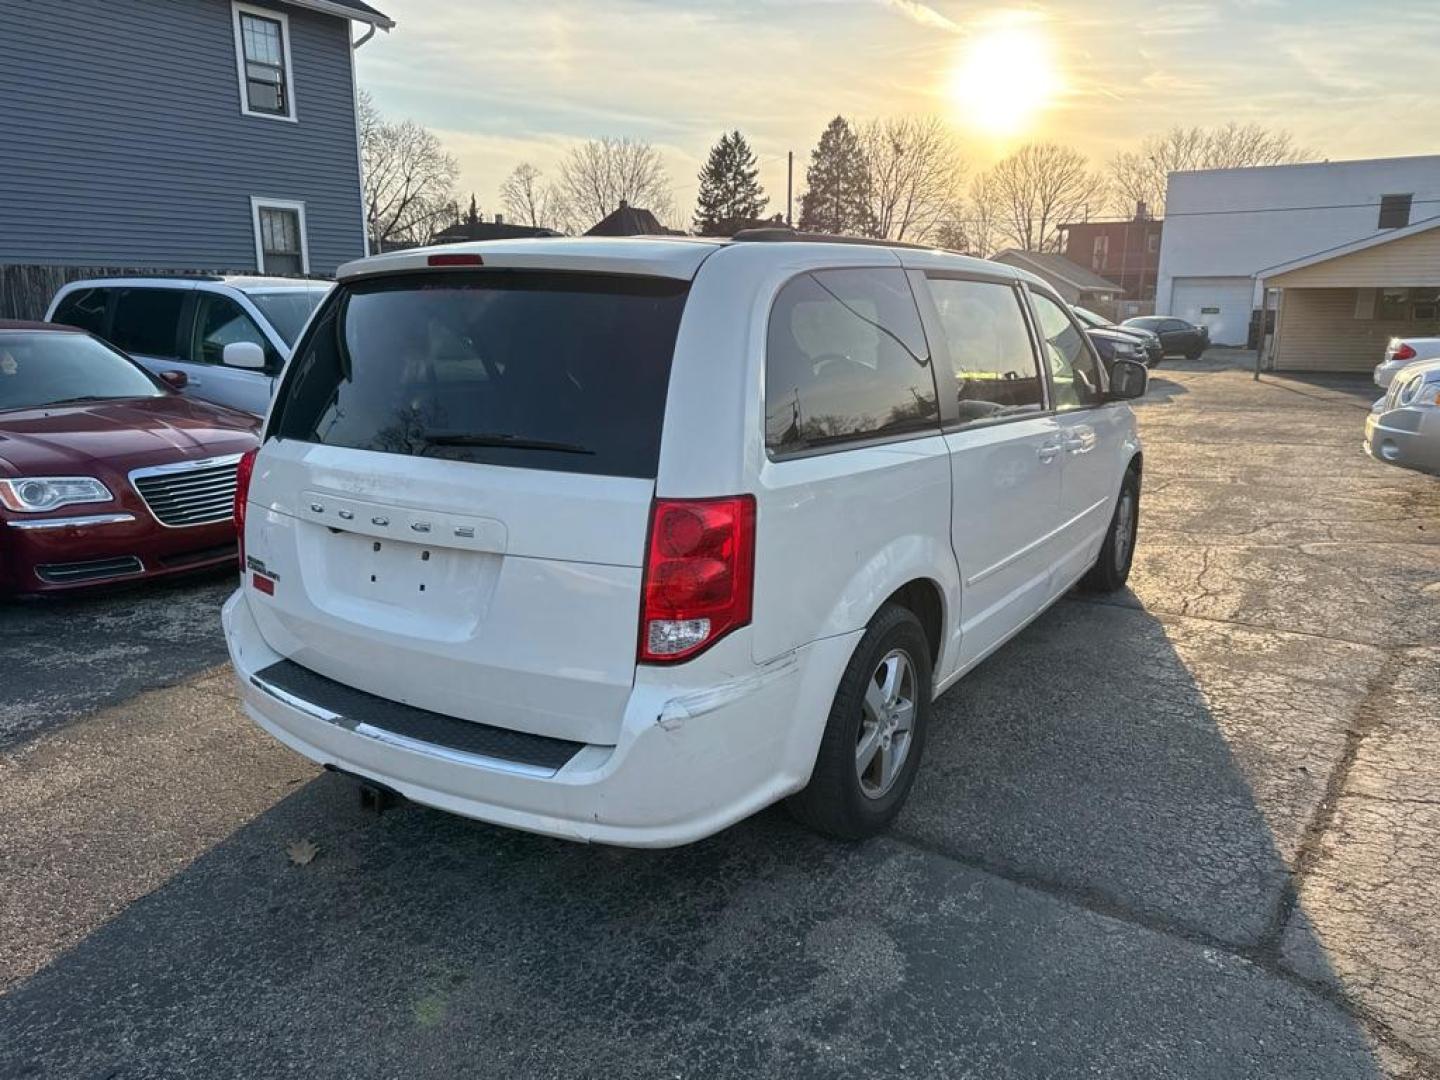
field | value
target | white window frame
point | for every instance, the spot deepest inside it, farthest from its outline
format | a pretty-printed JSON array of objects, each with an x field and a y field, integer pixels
[
  {"x": 291, "y": 114},
  {"x": 258, "y": 203}
]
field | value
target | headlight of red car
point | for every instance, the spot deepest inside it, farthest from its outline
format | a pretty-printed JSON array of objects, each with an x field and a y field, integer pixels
[{"x": 31, "y": 494}]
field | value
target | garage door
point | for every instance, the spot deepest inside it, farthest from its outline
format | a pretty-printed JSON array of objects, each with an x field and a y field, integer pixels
[{"x": 1222, "y": 304}]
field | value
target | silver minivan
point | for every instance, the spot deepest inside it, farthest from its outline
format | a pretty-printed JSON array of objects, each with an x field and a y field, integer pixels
[{"x": 229, "y": 336}]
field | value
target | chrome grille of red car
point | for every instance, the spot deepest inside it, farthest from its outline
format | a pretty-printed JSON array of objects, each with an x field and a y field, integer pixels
[{"x": 189, "y": 492}]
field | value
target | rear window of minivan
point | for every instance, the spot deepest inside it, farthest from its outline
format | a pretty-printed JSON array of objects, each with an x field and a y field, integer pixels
[{"x": 541, "y": 370}]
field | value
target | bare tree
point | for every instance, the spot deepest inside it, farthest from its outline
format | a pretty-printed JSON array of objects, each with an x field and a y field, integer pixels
[
  {"x": 1039, "y": 188},
  {"x": 975, "y": 226},
  {"x": 529, "y": 201},
  {"x": 985, "y": 212},
  {"x": 915, "y": 171},
  {"x": 409, "y": 179},
  {"x": 596, "y": 176},
  {"x": 1141, "y": 175}
]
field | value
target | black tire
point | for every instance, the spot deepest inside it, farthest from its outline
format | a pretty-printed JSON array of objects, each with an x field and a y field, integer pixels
[
  {"x": 836, "y": 802},
  {"x": 1112, "y": 567}
]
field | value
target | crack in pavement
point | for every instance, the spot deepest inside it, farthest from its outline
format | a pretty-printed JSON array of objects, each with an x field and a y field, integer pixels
[{"x": 1367, "y": 719}]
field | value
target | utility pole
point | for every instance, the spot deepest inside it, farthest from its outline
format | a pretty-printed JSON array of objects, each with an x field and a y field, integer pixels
[{"x": 789, "y": 186}]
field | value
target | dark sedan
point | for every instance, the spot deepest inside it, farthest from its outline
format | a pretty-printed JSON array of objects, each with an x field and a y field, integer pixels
[
  {"x": 1177, "y": 337},
  {"x": 1154, "y": 351},
  {"x": 1114, "y": 345},
  {"x": 106, "y": 473}
]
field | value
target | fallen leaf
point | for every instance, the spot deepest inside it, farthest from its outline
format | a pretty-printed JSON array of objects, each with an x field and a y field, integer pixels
[{"x": 302, "y": 852}]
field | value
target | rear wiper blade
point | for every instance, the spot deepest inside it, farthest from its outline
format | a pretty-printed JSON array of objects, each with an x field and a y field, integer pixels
[{"x": 512, "y": 442}]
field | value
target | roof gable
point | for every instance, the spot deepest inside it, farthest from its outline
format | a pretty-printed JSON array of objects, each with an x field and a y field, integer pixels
[
  {"x": 1051, "y": 265},
  {"x": 1354, "y": 247},
  {"x": 629, "y": 220}
]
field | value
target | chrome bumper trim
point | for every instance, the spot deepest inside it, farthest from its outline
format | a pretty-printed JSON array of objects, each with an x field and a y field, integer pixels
[{"x": 73, "y": 522}]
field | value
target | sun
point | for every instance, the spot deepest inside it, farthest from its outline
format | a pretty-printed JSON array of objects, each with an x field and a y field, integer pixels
[{"x": 1006, "y": 76}]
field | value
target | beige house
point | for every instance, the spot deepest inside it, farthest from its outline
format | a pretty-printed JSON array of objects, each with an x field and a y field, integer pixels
[{"x": 1339, "y": 308}]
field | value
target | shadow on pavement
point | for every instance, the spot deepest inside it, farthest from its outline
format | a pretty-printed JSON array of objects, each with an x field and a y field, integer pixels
[
  {"x": 1084, "y": 884},
  {"x": 70, "y": 654},
  {"x": 1348, "y": 388},
  {"x": 1162, "y": 390}
]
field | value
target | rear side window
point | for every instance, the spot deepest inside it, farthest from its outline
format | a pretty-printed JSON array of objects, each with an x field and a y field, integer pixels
[
  {"x": 84, "y": 308},
  {"x": 147, "y": 321},
  {"x": 541, "y": 370},
  {"x": 846, "y": 359},
  {"x": 991, "y": 358}
]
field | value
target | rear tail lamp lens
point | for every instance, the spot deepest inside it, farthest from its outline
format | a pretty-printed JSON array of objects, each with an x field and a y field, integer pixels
[
  {"x": 243, "y": 472},
  {"x": 1405, "y": 352},
  {"x": 699, "y": 575}
]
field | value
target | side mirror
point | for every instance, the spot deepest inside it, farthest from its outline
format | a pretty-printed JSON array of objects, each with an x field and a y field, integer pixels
[
  {"x": 176, "y": 380},
  {"x": 1128, "y": 380},
  {"x": 243, "y": 354}
]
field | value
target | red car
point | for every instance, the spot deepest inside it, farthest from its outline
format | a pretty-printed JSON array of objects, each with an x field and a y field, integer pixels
[{"x": 106, "y": 472}]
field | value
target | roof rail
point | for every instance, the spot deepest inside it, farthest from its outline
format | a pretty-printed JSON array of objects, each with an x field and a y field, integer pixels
[
  {"x": 179, "y": 275},
  {"x": 777, "y": 234}
]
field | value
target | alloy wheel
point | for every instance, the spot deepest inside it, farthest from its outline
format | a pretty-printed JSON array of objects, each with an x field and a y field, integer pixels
[
  {"x": 1124, "y": 530},
  {"x": 887, "y": 724}
]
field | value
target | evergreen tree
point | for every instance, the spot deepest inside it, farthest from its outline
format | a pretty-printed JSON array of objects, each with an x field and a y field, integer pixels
[
  {"x": 472, "y": 216},
  {"x": 837, "y": 199},
  {"x": 730, "y": 195}
]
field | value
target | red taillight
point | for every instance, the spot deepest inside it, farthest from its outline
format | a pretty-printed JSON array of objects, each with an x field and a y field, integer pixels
[
  {"x": 699, "y": 575},
  {"x": 457, "y": 259},
  {"x": 242, "y": 493},
  {"x": 1404, "y": 352}
]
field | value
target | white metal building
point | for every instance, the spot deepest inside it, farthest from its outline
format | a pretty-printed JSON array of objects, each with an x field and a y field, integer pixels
[{"x": 1224, "y": 226}]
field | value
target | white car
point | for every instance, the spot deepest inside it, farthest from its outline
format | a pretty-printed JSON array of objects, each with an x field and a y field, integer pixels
[
  {"x": 229, "y": 336},
  {"x": 623, "y": 540},
  {"x": 1402, "y": 352},
  {"x": 1403, "y": 427}
]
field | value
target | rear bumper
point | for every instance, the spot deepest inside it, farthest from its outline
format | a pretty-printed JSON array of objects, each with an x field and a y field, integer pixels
[
  {"x": 68, "y": 551},
  {"x": 688, "y": 762}
]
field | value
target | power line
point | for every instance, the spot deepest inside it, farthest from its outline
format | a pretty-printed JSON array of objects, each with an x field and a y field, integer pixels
[{"x": 1290, "y": 209}]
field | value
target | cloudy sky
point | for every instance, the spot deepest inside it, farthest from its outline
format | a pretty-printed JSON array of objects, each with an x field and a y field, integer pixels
[{"x": 506, "y": 81}]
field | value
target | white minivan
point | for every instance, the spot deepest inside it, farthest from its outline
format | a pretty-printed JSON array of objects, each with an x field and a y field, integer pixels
[{"x": 624, "y": 540}]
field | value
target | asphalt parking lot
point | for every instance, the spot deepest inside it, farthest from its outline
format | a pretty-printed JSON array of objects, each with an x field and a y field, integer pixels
[{"x": 1193, "y": 830}]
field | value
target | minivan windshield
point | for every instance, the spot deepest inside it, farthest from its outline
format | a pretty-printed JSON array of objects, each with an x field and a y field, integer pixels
[
  {"x": 540, "y": 369},
  {"x": 287, "y": 309},
  {"x": 40, "y": 368}
]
